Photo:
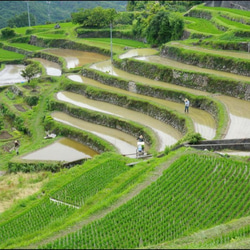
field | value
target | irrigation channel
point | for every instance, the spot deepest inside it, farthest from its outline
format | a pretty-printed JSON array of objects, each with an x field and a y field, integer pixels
[{"x": 238, "y": 110}]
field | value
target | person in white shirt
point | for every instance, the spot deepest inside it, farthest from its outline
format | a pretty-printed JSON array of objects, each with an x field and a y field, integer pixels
[{"x": 186, "y": 105}]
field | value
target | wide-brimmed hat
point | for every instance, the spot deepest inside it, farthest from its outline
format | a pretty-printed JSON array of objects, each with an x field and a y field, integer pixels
[{"x": 186, "y": 99}]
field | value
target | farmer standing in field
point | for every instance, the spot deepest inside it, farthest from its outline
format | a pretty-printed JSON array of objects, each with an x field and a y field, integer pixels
[
  {"x": 186, "y": 105},
  {"x": 16, "y": 146}
]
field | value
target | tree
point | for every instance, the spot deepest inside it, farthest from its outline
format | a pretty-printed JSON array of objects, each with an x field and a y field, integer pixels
[
  {"x": 30, "y": 71},
  {"x": 8, "y": 32},
  {"x": 94, "y": 18},
  {"x": 164, "y": 27},
  {"x": 21, "y": 20}
]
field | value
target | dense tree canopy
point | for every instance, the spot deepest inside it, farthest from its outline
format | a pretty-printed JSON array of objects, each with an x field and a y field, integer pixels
[
  {"x": 164, "y": 27},
  {"x": 94, "y": 18},
  {"x": 22, "y": 20}
]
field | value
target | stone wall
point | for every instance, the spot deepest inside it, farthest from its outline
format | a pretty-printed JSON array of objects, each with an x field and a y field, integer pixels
[{"x": 242, "y": 5}]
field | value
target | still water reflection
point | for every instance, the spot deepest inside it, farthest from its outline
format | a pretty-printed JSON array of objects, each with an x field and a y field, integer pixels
[
  {"x": 62, "y": 150},
  {"x": 125, "y": 143},
  {"x": 76, "y": 58},
  {"x": 165, "y": 134},
  {"x": 11, "y": 74},
  {"x": 52, "y": 68}
]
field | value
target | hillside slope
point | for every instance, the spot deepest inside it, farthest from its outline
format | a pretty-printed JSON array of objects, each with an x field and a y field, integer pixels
[{"x": 53, "y": 11}]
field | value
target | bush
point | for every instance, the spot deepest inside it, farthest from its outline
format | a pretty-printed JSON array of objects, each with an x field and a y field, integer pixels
[
  {"x": 8, "y": 32},
  {"x": 31, "y": 100}
]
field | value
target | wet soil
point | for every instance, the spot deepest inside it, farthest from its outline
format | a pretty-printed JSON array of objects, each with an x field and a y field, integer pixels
[
  {"x": 5, "y": 135},
  {"x": 20, "y": 107},
  {"x": 179, "y": 65}
]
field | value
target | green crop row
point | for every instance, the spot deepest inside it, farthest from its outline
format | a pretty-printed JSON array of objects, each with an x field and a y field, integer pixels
[
  {"x": 201, "y": 25},
  {"x": 196, "y": 192},
  {"x": 37, "y": 218},
  {"x": 9, "y": 55},
  {"x": 26, "y": 46},
  {"x": 91, "y": 182}
]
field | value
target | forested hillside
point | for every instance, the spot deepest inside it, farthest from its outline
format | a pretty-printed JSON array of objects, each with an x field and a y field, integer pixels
[{"x": 53, "y": 11}]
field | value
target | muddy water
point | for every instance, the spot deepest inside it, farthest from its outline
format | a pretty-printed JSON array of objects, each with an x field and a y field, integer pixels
[
  {"x": 108, "y": 68},
  {"x": 11, "y": 74},
  {"x": 239, "y": 117},
  {"x": 175, "y": 64},
  {"x": 62, "y": 150},
  {"x": 165, "y": 134},
  {"x": 138, "y": 52},
  {"x": 203, "y": 122},
  {"x": 76, "y": 58},
  {"x": 52, "y": 68},
  {"x": 125, "y": 144}
]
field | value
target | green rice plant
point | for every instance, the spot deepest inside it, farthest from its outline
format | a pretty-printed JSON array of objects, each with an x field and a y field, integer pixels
[
  {"x": 26, "y": 46},
  {"x": 170, "y": 218},
  {"x": 233, "y": 24},
  {"x": 79, "y": 190},
  {"x": 6, "y": 55},
  {"x": 35, "y": 219},
  {"x": 202, "y": 25}
]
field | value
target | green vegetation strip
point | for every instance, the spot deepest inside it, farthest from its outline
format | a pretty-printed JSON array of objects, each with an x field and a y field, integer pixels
[
  {"x": 6, "y": 55},
  {"x": 194, "y": 193},
  {"x": 122, "y": 179},
  {"x": 26, "y": 46}
]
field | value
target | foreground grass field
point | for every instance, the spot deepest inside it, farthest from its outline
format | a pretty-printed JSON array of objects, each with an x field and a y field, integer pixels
[{"x": 180, "y": 199}]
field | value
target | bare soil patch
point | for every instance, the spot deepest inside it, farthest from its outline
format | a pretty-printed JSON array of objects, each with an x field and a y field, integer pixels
[
  {"x": 20, "y": 107},
  {"x": 5, "y": 135}
]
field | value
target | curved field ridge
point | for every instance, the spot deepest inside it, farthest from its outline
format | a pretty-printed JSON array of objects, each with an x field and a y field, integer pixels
[{"x": 196, "y": 192}]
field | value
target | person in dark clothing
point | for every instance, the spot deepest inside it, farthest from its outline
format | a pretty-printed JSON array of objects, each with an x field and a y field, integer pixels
[
  {"x": 140, "y": 138},
  {"x": 16, "y": 146}
]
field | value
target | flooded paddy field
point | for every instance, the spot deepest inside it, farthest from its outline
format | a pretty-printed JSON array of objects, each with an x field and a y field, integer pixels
[
  {"x": 125, "y": 143},
  {"x": 11, "y": 74},
  {"x": 76, "y": 58},
  {"x": 238, "y": 110},
  {"x": 52, "y": 68},
  {"x": 166, "y": 135},
  {"x": 64, "y": 150}
]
